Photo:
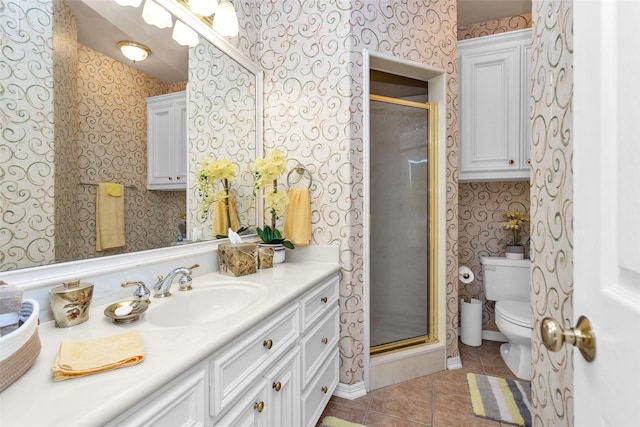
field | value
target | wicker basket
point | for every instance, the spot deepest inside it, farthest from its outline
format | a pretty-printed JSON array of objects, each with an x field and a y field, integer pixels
[{"x": 20, "y": 348}]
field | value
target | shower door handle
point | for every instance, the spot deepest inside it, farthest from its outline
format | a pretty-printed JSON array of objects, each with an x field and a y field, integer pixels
[{"x": 582, "y": 336}]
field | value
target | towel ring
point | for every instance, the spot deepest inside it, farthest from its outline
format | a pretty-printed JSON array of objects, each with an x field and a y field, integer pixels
[{"x": 301, "y": 171}]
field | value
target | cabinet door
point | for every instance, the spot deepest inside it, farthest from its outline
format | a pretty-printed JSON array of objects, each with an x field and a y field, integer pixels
[
  {"x": 284, "y": 392},
  {"x": 160, "y": 136},
  {"x": 251, "y": 411},
  {"x": 525, "y": 145},
  {"x": 490, "y": 109}
]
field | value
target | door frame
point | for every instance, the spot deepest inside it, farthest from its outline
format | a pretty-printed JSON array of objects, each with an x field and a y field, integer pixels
[{"x": 431, "y": 357}]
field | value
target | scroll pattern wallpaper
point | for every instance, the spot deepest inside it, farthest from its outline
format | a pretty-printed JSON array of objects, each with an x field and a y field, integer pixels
[
  {"x": 552, "y": 206},
  {"x": 481, "y": 203},
  {"x": 26, "y": 154},
  {"x": 311, "y": 52}
]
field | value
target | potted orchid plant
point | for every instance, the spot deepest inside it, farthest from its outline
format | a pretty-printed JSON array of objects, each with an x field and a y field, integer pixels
[
  {"x": 515, "y": 224},
  {"x": 267, "y": 171},
  {"x": 214, "y": 178}
]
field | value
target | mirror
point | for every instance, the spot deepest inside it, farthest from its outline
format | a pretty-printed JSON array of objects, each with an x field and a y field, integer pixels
[{"x": 72, "y": 122}]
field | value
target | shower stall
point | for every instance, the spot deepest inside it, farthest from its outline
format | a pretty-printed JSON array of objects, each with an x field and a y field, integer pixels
[{"x": 402, "y": 224}]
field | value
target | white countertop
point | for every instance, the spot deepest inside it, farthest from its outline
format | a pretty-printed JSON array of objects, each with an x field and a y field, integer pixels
[{"x": 35, "y": 400}]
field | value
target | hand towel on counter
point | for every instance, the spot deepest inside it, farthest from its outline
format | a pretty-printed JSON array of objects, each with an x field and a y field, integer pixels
[
  {"x": 297, "y": 221},
  {"x": 80, "y": 358},
  {"x": 219, "y": 217},
  {"x": 109, "y": 216}
]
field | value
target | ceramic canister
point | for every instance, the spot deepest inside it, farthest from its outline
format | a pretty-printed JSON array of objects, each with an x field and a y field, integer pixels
[{"x": 70, "y": 303}]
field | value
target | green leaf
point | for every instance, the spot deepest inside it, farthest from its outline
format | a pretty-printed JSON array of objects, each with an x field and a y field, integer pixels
[
  {"x": 260, "y": 233},
  {"x": 276, "y": 234},
  {"x": 221, "y": 236},
  {"x": 288, "y": 244},
  {"x": 268, "y": 234}
]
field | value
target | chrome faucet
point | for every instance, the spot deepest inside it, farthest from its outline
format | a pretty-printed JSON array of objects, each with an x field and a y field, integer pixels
[{"x": 161, "y": 289}]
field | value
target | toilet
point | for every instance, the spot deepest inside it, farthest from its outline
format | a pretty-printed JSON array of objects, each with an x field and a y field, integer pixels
[{"x": 508, "y": 283}]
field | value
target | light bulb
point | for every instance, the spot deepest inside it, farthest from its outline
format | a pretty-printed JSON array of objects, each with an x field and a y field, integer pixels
[
  {"x": 154, "y": 14},
  {"x": 204, "y": 7},
  {"x": 225, "y": 21},
  {"x": 184, "y": 35}
]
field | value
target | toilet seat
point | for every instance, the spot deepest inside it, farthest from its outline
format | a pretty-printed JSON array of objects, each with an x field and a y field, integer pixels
[{"x": 515, "y": 312}]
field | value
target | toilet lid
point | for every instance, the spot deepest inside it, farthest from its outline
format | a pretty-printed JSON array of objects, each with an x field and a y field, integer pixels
[{"x": 516, "y": 312}]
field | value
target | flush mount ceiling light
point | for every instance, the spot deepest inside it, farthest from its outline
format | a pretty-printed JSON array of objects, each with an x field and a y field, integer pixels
[
  {"x": 134, "y": 51},
  {"x": 226, "y": 22},
  {"x": 184, "y": 35},
  {"x": 154, "y": 14},
  {"x": 204, "y": 7}
]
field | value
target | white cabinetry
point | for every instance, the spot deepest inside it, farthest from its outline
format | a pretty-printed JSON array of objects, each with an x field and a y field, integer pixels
[
  {"x": 167, "y": 142},
  {"x": 494, "y": 92},
  {"x": 280, "y": 373}
]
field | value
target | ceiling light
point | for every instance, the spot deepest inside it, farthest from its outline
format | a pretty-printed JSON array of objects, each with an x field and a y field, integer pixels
[
  {"x": 204, "y": 7},
  {"x": 225, "y": 21},
  {"x": 134, "y": 51},
  {"x": 134, "y": 3},
  {"x": 154, "y": 14},
  {"x": 184, "y": 35}
]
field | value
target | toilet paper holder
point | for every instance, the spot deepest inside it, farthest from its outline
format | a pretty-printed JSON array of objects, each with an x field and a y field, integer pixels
[{"x": 465, "y": 274}]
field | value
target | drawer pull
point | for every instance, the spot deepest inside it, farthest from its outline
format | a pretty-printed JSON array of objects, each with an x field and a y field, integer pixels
[
  {"x": 258, "y": 406},
  {"x": 268, "y": 344},
  {"x": 324, "y": 299},
  {"x": 277, "y": 386},
  {"x": 325, "y": 389},
  {"x": 511, "y": 162},
  {"x": 324, "y": 340},
  {"x": 529, "y": 161}
]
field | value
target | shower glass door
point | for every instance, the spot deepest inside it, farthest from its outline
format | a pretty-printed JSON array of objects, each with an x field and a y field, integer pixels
[{"x": 400, "y": 226}]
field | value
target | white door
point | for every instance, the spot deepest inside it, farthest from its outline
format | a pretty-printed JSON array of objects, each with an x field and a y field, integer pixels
[{"x": 607, "y": 209}]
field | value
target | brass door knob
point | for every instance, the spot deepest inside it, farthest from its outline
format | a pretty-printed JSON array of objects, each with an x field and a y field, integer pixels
[
  {"x": 582, "y": 336},
  {"x": 277, "y": 386},
  {"x": 258, "y": 406},
  {"x": 267, "y": 344}
]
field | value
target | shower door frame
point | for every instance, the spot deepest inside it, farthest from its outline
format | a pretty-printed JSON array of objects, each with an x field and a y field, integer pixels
[{"x": 432, "y": 232}]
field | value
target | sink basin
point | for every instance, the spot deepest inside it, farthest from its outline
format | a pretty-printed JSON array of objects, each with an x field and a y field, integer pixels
[{"x": 203, "y": 305}]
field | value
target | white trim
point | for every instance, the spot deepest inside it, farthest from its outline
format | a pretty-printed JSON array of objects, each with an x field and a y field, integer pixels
[
  {"x": 454, "y": 363},
  {"x": 350, "y": 391}
]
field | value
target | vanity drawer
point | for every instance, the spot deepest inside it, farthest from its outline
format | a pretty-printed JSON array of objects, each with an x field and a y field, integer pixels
[
  {"x": 236, "y": 366},
  {"x": 318, "y": 343},
  {"x": 317, "y": 395},
  {"x": 314, "y": 304}
]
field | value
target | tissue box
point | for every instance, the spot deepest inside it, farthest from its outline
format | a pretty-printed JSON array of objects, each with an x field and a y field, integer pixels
[{"x": 238, "y": 259}]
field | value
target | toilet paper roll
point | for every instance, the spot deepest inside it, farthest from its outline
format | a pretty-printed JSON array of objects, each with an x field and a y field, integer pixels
[{"x": 465, "y": 274}]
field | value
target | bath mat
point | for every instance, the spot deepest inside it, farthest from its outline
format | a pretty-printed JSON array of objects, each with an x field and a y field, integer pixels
[
  {"x": 500, "y": 399},
  {"x": 337, "y": 422}
]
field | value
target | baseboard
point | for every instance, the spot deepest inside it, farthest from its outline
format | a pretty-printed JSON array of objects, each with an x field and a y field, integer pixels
[
  {"x": 350, "y": 391},
  {"x": 454, "y": 363},
  {"x": 491, "y": 336}
]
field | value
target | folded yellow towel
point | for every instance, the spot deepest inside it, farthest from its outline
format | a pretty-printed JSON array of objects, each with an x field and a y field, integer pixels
[
  {"x": 109, "y": 217},
  {"x": 219, "y": 217},
  {"x": 297, "y": 221},
  {"x": 81, "y": 358},
  {"x": 114, "y": 190},
  {"x": 337, "y": 422}
]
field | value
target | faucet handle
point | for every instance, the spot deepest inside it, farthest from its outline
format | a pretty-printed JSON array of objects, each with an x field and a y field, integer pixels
[
  {"x": 194, "y": 266},
  {"x": 141, "y": 293}
]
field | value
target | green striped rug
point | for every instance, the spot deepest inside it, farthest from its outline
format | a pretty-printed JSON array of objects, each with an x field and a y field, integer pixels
[{"x": 500, "y": 399}]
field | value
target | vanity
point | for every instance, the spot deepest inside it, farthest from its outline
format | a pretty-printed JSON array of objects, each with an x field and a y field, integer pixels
[{"x": 270, "y": 361}]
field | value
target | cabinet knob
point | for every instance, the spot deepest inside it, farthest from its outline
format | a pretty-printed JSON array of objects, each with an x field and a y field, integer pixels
[
  {"x": 325, "y": 389},
  {"x": 178, "y": 178},
  {"x": 258, "y": 406},
  {"x": 529, "y": 161},
  {"x": 324, "y": 340},
  {"x": 267, "y": 344},
  {"x": 324, "y": 299},
  {"x": 170, "y": 178},
  {"x": 277, "y": 386},
  {"x": 510, "y": 161}
]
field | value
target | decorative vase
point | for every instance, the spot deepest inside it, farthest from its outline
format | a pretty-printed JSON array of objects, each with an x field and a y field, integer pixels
[
  {"x": 278, "y": 251},
  {"x": 514, "y": 252}
]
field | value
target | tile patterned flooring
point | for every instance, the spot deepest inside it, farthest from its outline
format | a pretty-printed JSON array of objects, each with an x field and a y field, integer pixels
[{"x": 436, "y": 400}]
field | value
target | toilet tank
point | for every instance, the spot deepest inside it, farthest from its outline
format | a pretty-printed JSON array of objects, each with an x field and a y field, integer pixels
[{"x": 506, "y": 279}]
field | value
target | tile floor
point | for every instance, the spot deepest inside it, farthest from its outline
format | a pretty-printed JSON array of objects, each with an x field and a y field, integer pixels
[{"x": 437, "y": 400}]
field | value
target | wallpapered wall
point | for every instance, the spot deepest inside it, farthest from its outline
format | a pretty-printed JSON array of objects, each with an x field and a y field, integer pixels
[
  {"x": 311, "y": 52},
  {"x": 103, "y": 137},
  {"x": 552, "y": 206},
  {"x": 481, "y": 204},
  {"x": 222, "y": 124}
]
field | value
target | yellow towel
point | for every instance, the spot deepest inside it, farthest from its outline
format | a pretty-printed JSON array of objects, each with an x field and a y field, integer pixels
[
  {"x": 220, "y": 222},
  {"x": 109, "y": 217},
  {"x": 297, "y": 221},
  {"x": 80, "y": 358}
]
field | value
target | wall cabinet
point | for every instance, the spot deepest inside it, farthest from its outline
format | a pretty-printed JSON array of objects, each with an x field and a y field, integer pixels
[
  {"x": 167, "y": 142},
  {"x": 494, "y": 98},
  {"x": 281, "y": 373}
]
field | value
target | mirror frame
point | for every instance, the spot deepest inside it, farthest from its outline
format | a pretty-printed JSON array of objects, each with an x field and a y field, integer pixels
[{"x": 53, "y": 274}]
